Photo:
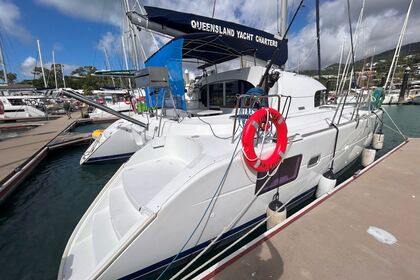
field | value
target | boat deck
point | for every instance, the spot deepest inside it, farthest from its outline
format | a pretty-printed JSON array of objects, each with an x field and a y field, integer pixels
[
  {"x": 329, "y": 238},
  {"x": 19, "y": 155}
]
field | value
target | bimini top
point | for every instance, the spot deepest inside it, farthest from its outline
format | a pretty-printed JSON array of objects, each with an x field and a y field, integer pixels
[{"x": 215, "y": 41}]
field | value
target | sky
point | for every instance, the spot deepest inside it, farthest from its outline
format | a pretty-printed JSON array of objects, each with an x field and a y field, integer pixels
[{"x": 77, "y": 30}]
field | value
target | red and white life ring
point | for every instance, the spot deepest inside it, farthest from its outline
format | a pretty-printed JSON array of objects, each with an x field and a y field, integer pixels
[{"x": 260, "y": 120}]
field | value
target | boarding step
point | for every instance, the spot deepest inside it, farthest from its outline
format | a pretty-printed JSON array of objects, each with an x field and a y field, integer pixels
[
  {"x": 104, "y": 238},
  {"x": 123, "y": 213}
]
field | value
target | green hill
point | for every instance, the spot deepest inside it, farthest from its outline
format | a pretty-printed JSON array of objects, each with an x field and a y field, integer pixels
[{"x": 409, "y": 55}]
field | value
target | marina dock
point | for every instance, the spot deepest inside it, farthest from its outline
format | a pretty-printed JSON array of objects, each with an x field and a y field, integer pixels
[
  {"x": 346, "y": 234},
  {"x": 20, "y": 155}
]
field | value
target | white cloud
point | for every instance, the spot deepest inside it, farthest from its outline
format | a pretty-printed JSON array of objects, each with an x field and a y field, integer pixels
[
  {"x": 10, "y": 21},
  {"x": 27, "y": 66},
  {"x": 95, "y": 10},
  {"x": 382, "y": 23},
  {"x": 381, "y": 27}
]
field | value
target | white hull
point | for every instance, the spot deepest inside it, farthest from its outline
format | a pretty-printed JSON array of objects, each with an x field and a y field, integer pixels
[
  {"x": 23, "y": 111},
  {"x": 158, "y": 197},
  {"x": 391, "y": 99},
  {"x": 121, "y": 107}
]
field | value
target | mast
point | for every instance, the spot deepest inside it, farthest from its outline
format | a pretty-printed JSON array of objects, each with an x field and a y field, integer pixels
[
  {"x": 133, "y": 38},
  {"x": 318, "y": 44},
  {"x": 55, "y": 72},
  {"x": 108, "y": 66},
  {"x": 393, "y": 67},
  {"x": 62, "y": 73},
  {"x": 3, "y": 64},
  {"x": 339, "y": 67},
  {"x": 125, "y": 59},
  {"x": 283, "y": 17},
  {"x": 42, "y": 65}
]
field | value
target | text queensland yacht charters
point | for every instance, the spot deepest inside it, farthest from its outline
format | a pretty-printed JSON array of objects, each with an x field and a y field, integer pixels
[{"x": 192, "y": 175}]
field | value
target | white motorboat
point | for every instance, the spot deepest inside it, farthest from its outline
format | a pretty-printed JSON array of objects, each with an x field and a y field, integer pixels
[
  {"x": 17, "y": 107},
  {"x": 117, "y": 100},
  {"x": 414, "y": 93},
  {"x": 190, "y": 180},
  {"x": 391, "y": 98}
]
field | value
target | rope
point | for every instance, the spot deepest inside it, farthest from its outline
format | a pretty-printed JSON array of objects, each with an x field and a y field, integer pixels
[
  {"x": 255, "y": 227},
  {"x": 212, "y": 131},
  {"x": 232, "y": 223},
  {"x": 243, "y": 212},
  {"x": 398, "y": 131}
]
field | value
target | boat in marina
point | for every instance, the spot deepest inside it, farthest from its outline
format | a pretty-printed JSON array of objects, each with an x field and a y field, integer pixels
[
  {"x": 17, "y": 107},
  {"x": 414, "y": 93},
  {"x": 116, "y": 99},
  {"x": 193, "y": 169}
]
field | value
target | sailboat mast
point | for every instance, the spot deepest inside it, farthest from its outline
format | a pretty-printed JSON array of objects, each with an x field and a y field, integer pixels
[
  {"x": 283, "y": 17},
  {"x": 125, "y": 59},
  {"x": 339, "y": 66},
  {"x": 62, "y": 73},
  {"x": 3, "y": 64},
  {"x": 55, "y": 71},
  {"x": 42, "y": 65},
  {"x": 133, "y": 38},
  {"x": 393, "y": 67},
  {"x": 108, "y": 66},
  {"x": 318, "y": 43}
]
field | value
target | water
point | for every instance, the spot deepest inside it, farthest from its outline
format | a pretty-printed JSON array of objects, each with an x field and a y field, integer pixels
[{"x": 37, "y": 220}]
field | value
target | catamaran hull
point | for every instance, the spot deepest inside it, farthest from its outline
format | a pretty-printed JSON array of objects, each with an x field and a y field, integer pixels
[{"x": 147, "y": 211}]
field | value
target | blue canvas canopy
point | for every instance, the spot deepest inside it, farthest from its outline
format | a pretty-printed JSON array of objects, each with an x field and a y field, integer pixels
[
  {"x": 208, "y": 40},
  {"x": 240, "y": 39}
]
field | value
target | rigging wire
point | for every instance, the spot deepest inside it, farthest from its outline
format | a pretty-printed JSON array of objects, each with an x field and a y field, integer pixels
[
  {"x": 352, "y": 58},
  {"x": 214, "y": 8},
  {"x": 215, "y": 195},
  {"x": 261, "y": 222}
]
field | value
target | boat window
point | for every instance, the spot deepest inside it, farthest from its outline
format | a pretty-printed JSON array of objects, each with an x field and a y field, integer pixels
[
  {"x": 203, "y": 95},
  {"x": 223, "y": 94},
  {"x": 16, "y": 102},
  {"x": 286, "y": 173},
  {"x": 233, "y": 89},
  {"x": 319, "y": 98},
  {"x": 216, "y": 95}
]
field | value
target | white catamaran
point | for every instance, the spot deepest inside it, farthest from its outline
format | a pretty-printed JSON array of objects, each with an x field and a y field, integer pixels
[{"x": 195, "y": 169}]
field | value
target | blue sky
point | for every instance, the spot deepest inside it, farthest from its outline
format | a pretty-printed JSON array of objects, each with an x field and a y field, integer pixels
[
  {"x": 74, "y": 28},
  {"x": 73, "y": 39}
]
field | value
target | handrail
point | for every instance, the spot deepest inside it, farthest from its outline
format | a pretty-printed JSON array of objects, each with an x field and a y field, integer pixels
[
  {"x": 78, "y": 96},
  {"x": 253, "y": 98}
]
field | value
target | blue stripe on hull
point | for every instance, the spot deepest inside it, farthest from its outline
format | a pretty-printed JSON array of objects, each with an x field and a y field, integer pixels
[
  {"x": 112, "y": 157},
  {"x": 196, "y": 249}
]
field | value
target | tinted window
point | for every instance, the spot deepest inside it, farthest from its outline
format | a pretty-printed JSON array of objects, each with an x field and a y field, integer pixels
[
  {"x": 287, "y": 172},
  {"x": 234, "y": 88},
  {"x": 216, "y": 95},
  {"x": 16, "y": 102},
  {"x": 203, "y": 95},
  {"x": 319, "y": 98}
]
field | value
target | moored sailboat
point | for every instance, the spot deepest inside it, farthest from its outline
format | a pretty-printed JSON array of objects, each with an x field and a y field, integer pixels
[{"x": 188, "y": 182}]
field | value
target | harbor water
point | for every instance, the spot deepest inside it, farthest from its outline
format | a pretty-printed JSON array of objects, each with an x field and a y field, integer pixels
[{"x": 37, "y": 220}]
